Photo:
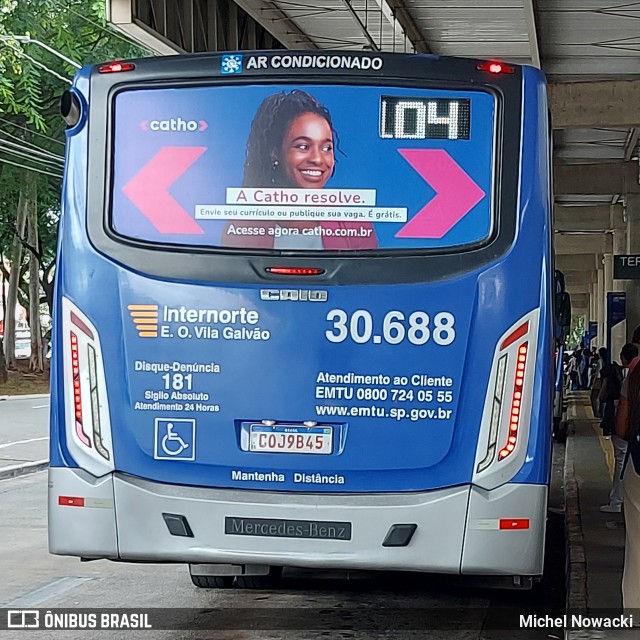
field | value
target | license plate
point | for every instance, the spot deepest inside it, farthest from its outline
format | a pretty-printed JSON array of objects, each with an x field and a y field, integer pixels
[{"x": 290, "y": 439}]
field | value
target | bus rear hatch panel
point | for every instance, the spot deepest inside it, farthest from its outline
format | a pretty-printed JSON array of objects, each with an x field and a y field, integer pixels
[{"x": 455, "y": 530}]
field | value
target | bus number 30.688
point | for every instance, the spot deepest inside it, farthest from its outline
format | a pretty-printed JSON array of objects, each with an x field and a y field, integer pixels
[{"x": 417, "y": 329}]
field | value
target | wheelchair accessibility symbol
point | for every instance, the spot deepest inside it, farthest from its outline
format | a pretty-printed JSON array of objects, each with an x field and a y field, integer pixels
[{"x": 175, "y": 439}]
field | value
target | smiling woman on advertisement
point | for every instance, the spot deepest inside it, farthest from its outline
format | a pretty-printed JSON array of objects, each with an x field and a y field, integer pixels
[{"x": 291, "y": 145}]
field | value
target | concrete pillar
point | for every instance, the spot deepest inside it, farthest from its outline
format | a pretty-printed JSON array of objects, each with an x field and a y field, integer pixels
[
  {"x": 619, "y": 332},
  {"x": 633, "y": 246},
  {"x": 614, "y": 348},
  {"x": 587, "y": 316},
  {"x": 607, "y": 263},
  {"x": 600, "y": 302}
]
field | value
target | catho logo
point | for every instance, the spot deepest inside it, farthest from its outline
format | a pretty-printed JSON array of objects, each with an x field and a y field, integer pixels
[{"x": 174, "y": 124}]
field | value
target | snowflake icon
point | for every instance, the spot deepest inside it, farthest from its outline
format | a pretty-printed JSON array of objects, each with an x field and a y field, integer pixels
[{"x": 231, "y": 64}]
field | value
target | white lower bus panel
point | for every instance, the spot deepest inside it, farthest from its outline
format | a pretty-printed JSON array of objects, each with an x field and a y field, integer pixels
[
  {"x": 123, "y": 519},
  {"x": 490, "y": 550}
]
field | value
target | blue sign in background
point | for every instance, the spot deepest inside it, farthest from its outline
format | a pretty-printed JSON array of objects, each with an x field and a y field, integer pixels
[
  {"x": 363, "y": 159},
  {"x": 616, "y": 311},
  {"x": 616, "y": 308}
]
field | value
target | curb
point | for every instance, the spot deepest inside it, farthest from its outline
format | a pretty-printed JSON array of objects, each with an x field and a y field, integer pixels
[
  {"x": 23, "y": 469},
  {"x": 29, "y": 396},
  {"x": 576, "y": 571},
  {"x": 576, "y": 561}
]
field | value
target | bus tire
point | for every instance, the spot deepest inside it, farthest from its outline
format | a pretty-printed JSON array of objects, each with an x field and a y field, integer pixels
[
  {"x": 269, "y": 581},
  {"x": 212, "y": 582}
]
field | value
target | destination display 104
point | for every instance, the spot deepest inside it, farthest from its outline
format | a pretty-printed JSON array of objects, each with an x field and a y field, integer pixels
[{"x": 411, "y": 118}]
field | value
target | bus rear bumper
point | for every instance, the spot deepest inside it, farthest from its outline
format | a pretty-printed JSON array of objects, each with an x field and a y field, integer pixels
[
  {"x": 81, "y": 514},
  {"x": 456, "y": 532},
  {"x": 505, "y": 530}
]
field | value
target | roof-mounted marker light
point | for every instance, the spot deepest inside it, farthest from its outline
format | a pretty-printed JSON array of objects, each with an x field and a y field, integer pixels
[
  {"x": 117, "y": 67},
  {"x": 295, "y": 271},
  {"x": 495, "y": 67}
]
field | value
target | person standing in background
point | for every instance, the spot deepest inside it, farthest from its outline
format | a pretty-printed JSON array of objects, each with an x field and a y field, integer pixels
[
  {"x": 596, "y": 363},
  {"x": 583, "y": 368},
  {"x": 610, "y": 396},
  {"x": 627, "y": 428}
]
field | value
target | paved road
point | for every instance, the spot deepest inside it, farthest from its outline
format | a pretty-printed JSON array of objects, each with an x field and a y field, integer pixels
[
  {"x": 24, "y": 425},
  {"x": 33, "y": 578}
]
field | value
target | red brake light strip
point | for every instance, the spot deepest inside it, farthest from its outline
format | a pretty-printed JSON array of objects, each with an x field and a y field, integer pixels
[
  {"x": 295, "y": 271},
  {"x": 516, "y": 402},
  {"x": 77, "y": 397}
]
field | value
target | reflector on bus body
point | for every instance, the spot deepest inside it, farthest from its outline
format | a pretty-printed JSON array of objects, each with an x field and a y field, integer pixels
[
  {"x": 504, "y": 430},
  {"x": 87, "y": 419}
]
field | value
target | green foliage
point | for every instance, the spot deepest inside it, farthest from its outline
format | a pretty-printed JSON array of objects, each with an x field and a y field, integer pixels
[
  {"x": 76, "y": 29},
  {"x": 32, "y": 81},
  {"x": 578, "y": 328}
]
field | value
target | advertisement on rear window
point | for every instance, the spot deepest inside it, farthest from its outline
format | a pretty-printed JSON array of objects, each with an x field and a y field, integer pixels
[{"x": 303, "y": 167}]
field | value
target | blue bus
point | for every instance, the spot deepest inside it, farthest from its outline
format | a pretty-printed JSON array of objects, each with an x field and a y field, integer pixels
[{"x": 304, "y": 316}]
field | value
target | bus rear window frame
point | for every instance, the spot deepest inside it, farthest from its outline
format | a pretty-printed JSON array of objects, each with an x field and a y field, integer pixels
[{"x": 341, "y": 267}]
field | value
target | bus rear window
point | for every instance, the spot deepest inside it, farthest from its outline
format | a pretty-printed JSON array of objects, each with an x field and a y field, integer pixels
[{"x": 305, "y": 167}]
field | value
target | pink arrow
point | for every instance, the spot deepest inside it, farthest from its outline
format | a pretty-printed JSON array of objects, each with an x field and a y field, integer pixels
[
  {"x": 456, "y": 193},
  {"x": 149, "y": 189}
]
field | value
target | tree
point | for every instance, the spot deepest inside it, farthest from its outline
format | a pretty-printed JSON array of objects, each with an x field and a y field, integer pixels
[
  {"x": 14, "y": 275},
  {"x": 36, "y": 362},
  {"x": 32, "y": 81},
  {"x": 577, "y": 331}
]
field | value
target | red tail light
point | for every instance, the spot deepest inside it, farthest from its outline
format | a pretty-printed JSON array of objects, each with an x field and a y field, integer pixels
[
  {"x": 77, "y": 397},
  {"x": 514, "y": 523},
  {"x": 516, "y": 403},
  {"x": 70, "y": 501},
  {"x": 75, "y": 363}
]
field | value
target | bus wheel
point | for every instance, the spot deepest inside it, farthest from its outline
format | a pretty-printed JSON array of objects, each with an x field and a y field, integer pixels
[
  {"x": 212, "y": 582},
  {"x": 559, "y": 430},
  {"x": 269, "y": 581},
  {"x": 562, "y": 432}
]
